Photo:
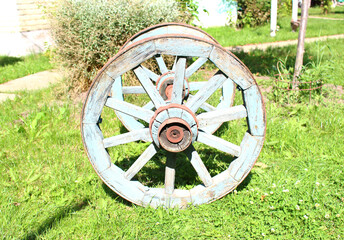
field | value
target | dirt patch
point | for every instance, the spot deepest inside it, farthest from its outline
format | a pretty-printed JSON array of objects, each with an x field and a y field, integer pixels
[{"x": 338, "y": 89}]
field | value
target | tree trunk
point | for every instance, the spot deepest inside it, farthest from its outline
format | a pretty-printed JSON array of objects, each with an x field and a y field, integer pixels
[{"x": 301, "y": 42}]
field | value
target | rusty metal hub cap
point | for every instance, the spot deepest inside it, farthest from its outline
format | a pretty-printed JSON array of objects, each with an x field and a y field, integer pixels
[
  {"x": 165, "y": 85},
  {"x": 173, "y": 127}
]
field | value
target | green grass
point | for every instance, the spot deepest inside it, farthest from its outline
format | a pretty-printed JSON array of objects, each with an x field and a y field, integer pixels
[
  {"x": 50, "y": 191},
  {"x": 329, "y": 54},
  {"x": 227, "y": 36},
  {"x": 337, "y": 12},
  {"x": 16, "y": 67}
]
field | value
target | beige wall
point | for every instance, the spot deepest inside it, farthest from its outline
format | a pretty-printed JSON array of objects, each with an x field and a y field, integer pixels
[
  {"x": 9, "y": 20},
  {"x": 23, "y": 28},
  {"x": 31, "y": 15}
]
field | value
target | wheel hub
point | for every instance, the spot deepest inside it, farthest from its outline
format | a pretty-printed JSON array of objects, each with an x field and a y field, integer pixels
[
  {"x": 173, "y": 127},
  {"x": 165, "y": 86}
]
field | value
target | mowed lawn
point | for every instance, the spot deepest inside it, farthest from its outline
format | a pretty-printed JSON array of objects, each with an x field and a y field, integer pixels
[
  {"x": 316, "y": 27},
  {"x": 50, "y": 191}
]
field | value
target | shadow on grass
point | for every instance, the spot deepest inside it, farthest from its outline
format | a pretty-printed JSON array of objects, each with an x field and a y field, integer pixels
[
  {"x": 59, "y": 214},
  {"x": 7, "y": 60},
  {"x": 115, "y": 196},
  {"x": 265, "y": 62},
  {"x": 245, "y": 182}
]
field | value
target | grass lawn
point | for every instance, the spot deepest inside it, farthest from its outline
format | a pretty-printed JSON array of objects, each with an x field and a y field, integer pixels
[
  {"x": 296, "y": 191},
  {"x": 328, "y": 55},
  {"x": 337, "y": 12},
  {"x": 227, "y": 36},
  {"x": 16, "y": 67}
]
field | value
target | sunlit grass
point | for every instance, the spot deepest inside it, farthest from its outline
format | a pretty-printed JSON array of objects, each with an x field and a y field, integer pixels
[
  {"x": 16, "y": 67},
  {"x": 228, "y": 36},
  {"x": 337, "y": 12}
]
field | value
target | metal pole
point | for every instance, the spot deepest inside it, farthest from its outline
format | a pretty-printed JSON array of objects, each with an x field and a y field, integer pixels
[
  {"x": 273, "y": 18},
  {"x": 294, "y": 12},
  {"x": 301, "y": 42}
]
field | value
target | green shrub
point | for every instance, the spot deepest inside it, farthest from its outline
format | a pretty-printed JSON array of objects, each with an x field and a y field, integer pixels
[
  {"x": 88, "y": 32},
  {"x": 253, "y": 13},
  {"x": 188, "y": 10},
  {"x": 326, "y": 6}
]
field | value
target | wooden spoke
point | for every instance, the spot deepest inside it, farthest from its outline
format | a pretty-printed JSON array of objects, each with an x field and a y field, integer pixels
[
  {"x": 133, "y": 90},
  {"x": 149, "y": 87},
  {"x": 152, "y": 75},
  {"x": 170, "y": 172},
  {"x": 206, "y": 91},
  {"x": 117, "y": 93},
  {"x": 195, "y": 66},
  {"x": 227, "y": 91},
  {"x": 221, "y": 115},
  {"x": 161, "y": 64},
  {"x": 195, "y": 86},
  {"x": 174, "y": 64},
  {"x": 136, "y": 135},
  {"x": 178, "y": 84},
  {"x": 148, "y": 105},
  {"x": 205, "y": 106},
  {"x": 141, "y": 161},
  {"x": 130, "y": 109},
  {"x": 219, "y": 143},
  {"x": 199, "y": 166}
]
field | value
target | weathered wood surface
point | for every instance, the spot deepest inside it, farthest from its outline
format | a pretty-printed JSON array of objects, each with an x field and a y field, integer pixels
[
  {"x": 232, "y": 67},
  {"x": 130, "y": 109},
  {"x": 180, "y": 46},
  {"x": 114, "y": 179},
  {"x": 129, "y": 122},
  {"x": 250, "y": 149},
  {"x": 93, "y": 140},
  {"x": 149, "y": 87},
  {"x": 96, "y": 98},
  {"x": 170, "y": 173},
  {"x": 221, "y": 115},
  {"x": 133, "y": 90},
  {"x": 255, "y": 111},
  {"x": 195, "y": 86},
  {"x": 218, "y": 143},
  {"x": 206, "y": 91},
  {"x": 169, "y": 28},
  {"x": 152, "y": 75},
  {"x": 195, "y": 66},
  {"x": 161, "y": 64},
  {"x": 141, "y": 161},
  {"x": 178, "y": 83},
  {"x": 132, "y": 136},
  {"x": 199, "y": 166}
]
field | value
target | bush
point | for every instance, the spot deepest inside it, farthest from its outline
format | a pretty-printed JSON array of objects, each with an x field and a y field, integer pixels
[
  {"x": 252, "y": 13},
  {"x": 188, "y": 10},
  {"x": 88, "y": 32},
  {"x": 326, "y": 6}
]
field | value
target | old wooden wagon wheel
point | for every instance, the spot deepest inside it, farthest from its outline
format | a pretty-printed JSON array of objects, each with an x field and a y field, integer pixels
[{"x": 174, "y": 121}]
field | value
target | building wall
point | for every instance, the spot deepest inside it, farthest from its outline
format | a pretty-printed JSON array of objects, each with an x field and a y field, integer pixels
[
  {"x": 9, "y": 19},
  {"x": 31, "y": 15},
  {"x": 23, "y": 28}
]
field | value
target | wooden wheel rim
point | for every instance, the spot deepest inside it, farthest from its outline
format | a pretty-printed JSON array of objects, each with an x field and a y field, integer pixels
[{"x": 213, "y": 187}]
